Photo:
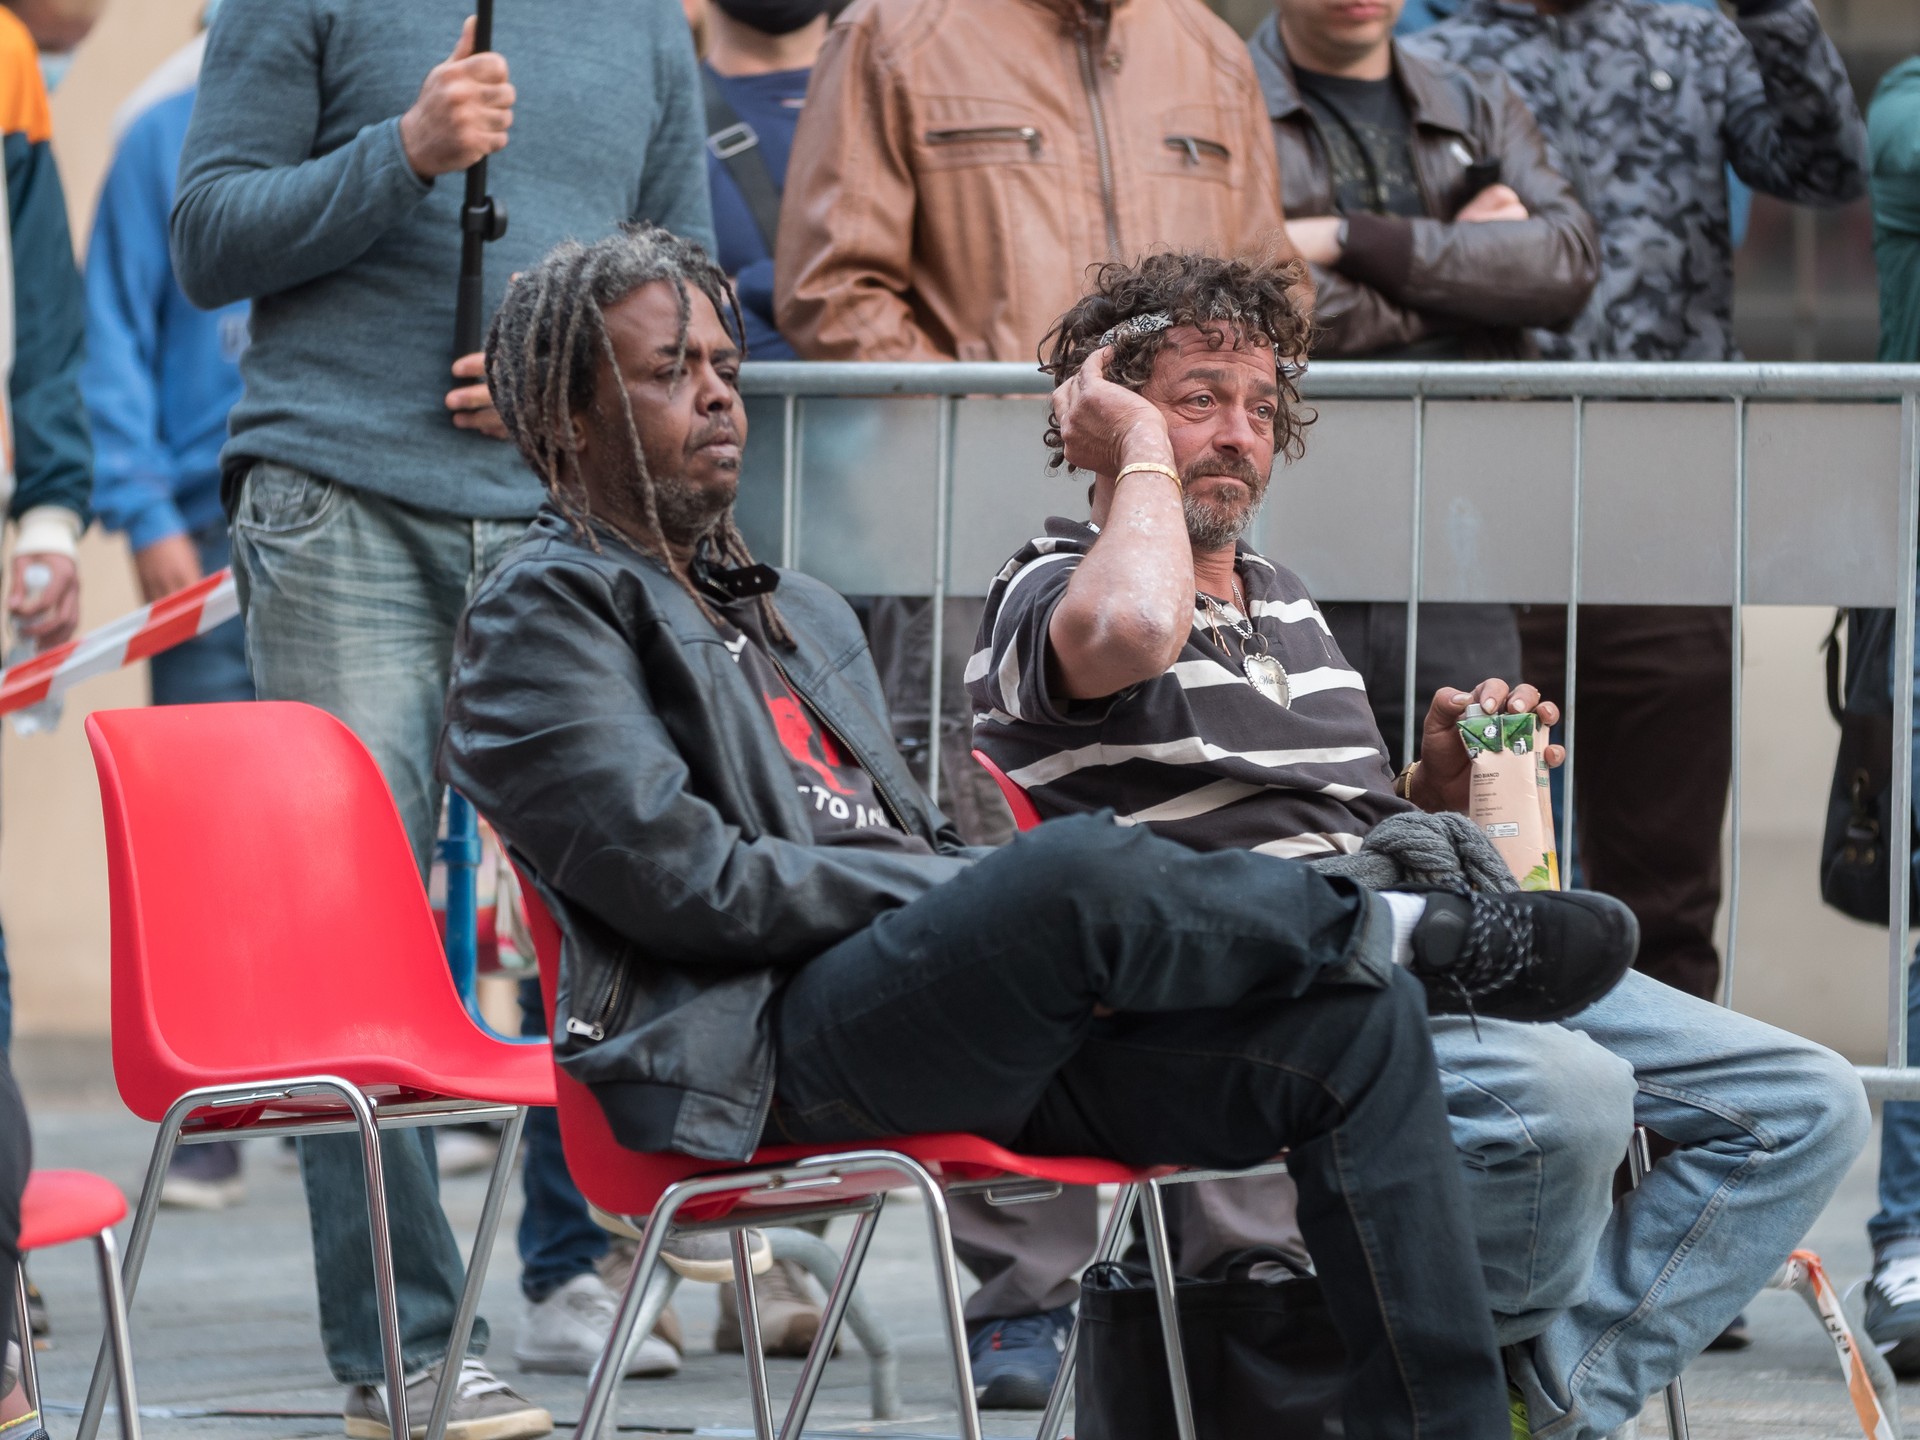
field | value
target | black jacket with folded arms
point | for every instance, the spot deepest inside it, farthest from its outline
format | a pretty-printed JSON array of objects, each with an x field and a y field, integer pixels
[{"x": 597, "y": 719}]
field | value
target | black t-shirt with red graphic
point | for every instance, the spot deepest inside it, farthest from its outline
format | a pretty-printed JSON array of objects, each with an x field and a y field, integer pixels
[{"x": 839, "y": 796}]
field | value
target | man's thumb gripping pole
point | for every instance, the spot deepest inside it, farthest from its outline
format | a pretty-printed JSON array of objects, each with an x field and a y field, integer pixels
[{"x": 482, "y": 218}]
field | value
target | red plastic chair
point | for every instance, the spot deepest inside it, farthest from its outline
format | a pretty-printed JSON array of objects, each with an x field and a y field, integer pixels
[
  {"x": 60, "y": 1207},
  {"x": 276, "y": 968},
  {"x": 1026, "y": 814},
  {"x": 654, "y": 1193}
]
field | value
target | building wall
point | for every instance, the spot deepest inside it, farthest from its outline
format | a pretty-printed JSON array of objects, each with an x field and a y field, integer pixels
[{"x": 1800, "y": 965}]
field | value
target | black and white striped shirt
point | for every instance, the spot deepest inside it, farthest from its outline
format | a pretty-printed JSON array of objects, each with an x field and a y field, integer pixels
[{"x": 1197, "y": 753}]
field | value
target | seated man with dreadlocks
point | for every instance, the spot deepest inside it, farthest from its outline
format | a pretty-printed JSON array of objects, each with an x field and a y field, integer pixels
[
  {"x": 1148, "y": 662},
  {"x": 772, "y": 935}
]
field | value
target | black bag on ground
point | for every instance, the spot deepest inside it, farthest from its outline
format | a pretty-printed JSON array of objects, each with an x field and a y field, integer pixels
[
  {"x": 1263, "y": 1359},
  {"x": 1856, "y": 856}
]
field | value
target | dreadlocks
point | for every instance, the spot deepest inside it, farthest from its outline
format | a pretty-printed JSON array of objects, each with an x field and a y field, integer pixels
[
  {"x": 1232, "y": 301},
  {"x": 545, "y": 352}
]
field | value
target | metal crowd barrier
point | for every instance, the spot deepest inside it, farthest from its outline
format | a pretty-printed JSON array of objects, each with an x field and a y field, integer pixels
[{"x": 1678, "y": 484}]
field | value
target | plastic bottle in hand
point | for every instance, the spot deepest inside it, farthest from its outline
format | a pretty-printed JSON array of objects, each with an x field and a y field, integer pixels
[{"x": 46, "y": 715}]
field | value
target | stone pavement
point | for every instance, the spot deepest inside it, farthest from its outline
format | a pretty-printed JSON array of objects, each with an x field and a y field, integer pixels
[{"x": 226, "y": 1336}]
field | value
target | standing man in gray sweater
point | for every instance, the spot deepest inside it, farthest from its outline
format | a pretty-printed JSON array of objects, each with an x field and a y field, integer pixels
[{"x": 366, "y": 480}]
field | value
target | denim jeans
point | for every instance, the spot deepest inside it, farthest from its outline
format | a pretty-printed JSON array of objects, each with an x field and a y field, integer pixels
[
  {"x": 350, "y": 601},
  {"x": 558, "y": 1239},
  {"x": 1766, "y": 1124},
  {"x": 1258, "y": 1010}
]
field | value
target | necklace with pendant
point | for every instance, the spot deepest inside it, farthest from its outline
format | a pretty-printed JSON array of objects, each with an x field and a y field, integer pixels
[{"x": 1265, "y": 673}]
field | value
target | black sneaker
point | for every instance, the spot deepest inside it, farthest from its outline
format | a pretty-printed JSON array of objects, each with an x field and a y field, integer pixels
[
  {"x": 1893, "y": 1314},
  {"x": 1015, "y": 1362},
  {"x": 1521, "y": 954}
]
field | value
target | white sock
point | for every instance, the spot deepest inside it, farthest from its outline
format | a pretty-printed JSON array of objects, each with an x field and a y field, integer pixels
[{"x": 1406, "y": 910}]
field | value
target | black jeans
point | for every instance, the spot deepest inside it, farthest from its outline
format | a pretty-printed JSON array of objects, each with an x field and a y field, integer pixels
[{"x": 1259, "y": 1011}]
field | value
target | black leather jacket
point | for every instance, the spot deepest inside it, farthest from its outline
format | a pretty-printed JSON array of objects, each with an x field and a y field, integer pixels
[{"x": 596, "y": 718}]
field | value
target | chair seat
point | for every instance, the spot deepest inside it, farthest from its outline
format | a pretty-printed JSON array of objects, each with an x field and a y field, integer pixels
[
  {"x": 491, "y": 1071},
  {"x": 62, "y": 1206},
  {"x": 629, "y": 1183}
]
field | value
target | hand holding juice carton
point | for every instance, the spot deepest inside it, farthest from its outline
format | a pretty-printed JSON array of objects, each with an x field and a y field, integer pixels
[{"x": 1507, "y": 794}]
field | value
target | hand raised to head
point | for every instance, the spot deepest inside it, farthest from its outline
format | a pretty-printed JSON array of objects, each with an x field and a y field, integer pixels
[{"x": 1104, "y": 425}]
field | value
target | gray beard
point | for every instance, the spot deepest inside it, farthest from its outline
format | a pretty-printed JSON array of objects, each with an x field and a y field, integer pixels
[
  {"x": 687, "y": 515},
  {"x": 1214, "y": 527}
]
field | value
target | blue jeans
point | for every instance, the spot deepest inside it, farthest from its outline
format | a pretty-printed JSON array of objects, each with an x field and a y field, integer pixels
[
  {"x": 350, "y": 601},
  {"x": 1766, "y": 1124}
]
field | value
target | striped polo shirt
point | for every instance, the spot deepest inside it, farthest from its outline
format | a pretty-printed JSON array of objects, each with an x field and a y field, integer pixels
[{"x": 1196, "y": 753}]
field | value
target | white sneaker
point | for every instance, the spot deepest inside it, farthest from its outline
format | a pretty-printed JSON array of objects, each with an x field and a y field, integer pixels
[{"x": 565, "y": 1333}]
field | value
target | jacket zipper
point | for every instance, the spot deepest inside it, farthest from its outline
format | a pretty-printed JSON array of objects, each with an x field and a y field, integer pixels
[
  {"x": 1192, "y": 145},
  {"x": 597, "y": 1029},
  {"x": 1091, "y": 80},
  {"x": 879, "y": 789},
  {"x": 989, "y": 132}
]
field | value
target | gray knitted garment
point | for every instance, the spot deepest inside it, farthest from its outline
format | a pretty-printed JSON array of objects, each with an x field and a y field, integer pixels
[{"x": 1415, "y": 848}]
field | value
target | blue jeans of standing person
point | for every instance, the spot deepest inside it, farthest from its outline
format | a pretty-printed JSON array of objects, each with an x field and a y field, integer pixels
[
  {"x": 1765, "y": 1125},
  {"x": 350, "y": 602},
  {"x": 558, "y": 1239}
]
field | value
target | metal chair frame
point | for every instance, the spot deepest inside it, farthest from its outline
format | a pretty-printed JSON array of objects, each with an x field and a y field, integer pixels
[
  {"x": 640, "y": 1302},
  {"x": 116, "y": 1343},
  {"x": 189, "y": 1121}
]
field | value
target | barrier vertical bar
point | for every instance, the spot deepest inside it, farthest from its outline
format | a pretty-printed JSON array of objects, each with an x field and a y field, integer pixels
[
  {"x": 1410, "y": 724},
  {"x": 1738, "y": 663},
  {"x": 460, "y": 852},
  {"x": 942, "y": 520},
  {"x": 789, "y": 481},
  {"x": 1573, "y": 640},
  {"x": 1903, "y": 734}
]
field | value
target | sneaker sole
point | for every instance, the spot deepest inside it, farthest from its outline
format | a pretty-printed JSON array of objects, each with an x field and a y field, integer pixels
[
  {"x": 203, "y": 1195},
  {"x": 572, "y": 1364},
  {"x": 1012, "y": 1392},
  {"x": 528, "y": 1424}
]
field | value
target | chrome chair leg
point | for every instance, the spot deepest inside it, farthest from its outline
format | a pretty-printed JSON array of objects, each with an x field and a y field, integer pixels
[
  {"x": 483, "y": 1239},
  {"x": 603, "y": 1384},
  {"x": 1113, "y": 1241},
  {"x": 113, "y": 1301},
  {"x": 947, "y": 1273},
  {"x": 750, "y": 1338},
  {"x": 839, "y": 1296},
  {"x": 386, "y": 1302},
  {"x": 1160, "y": 1253},
  {"x": 29, "y": 1366}
]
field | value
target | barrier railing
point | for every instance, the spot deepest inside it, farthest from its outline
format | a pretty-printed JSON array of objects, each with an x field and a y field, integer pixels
[{"x": 1679, "y": 484}]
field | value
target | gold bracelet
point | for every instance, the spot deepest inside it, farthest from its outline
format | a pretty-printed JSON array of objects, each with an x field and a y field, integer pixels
[
  {"x": 1166, "y": 470},
  {"x": 1403, "y": 782}
]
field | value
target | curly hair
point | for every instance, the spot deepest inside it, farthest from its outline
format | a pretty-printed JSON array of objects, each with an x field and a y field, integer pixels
[
  {"x": 545, "y": 352},
  {"x": 1234, "y": 302}
]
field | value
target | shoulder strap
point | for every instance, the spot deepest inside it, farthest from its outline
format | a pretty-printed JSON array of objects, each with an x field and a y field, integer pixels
[{"x": 735, "y": 145}]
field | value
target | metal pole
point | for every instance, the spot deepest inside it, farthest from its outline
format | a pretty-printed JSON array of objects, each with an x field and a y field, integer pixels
[
  {"x": 481, "y": 219},
  {"x": 1901, "y": 824},
  {"x": 1573, "y": 643},
  {"x": 942, "y": 523},
  {"x": 790, "y": 482},
  {"x": 1416, "y": 566},
  {"x": 460, "y": 852},
  {"x": 1738, "y": 663}
]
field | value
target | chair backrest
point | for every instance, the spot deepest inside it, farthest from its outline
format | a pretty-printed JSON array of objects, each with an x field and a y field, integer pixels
[
  {"x": 1025, "y": 814},
  {"x": 268, "y": 917}
]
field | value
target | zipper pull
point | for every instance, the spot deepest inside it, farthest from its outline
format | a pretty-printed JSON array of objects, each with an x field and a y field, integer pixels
[{"x": 582, "y": 1028}]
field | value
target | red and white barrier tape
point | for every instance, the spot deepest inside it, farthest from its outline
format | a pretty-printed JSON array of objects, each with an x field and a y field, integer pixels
[
  {"x": 119, "y": 643},
  {"x": 1869, "y": 1383}
]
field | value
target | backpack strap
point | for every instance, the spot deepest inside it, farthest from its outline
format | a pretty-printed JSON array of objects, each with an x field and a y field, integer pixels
[{"x": 732, "y": 142}]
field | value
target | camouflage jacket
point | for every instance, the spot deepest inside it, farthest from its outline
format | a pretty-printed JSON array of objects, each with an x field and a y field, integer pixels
[{"x": 1644, "y": 107}]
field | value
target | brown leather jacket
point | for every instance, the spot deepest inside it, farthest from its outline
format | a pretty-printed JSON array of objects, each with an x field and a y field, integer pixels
[
  {"x": 1404, "y": 281},
  {"x": 961, "y": 163}
]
